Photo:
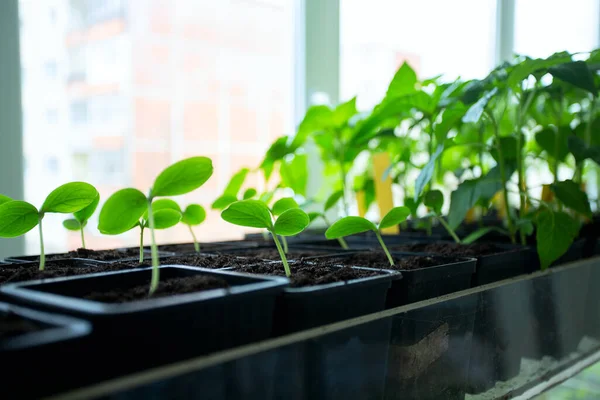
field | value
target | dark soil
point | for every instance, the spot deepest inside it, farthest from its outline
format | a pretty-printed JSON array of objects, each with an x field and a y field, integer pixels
[
  {"x": 99, "y": 255},
  {"x": 375, "y": 259},
  {"x": 189, "y": 247},
  {"x": 309, "y": 273},
  {"x": 273, "y": 254},
  {"x": 209, "y": 261},
  {"x": 12, "y": 325},
  {"x": 168, "y": 287},
  {"x": 450, "y": 249}
]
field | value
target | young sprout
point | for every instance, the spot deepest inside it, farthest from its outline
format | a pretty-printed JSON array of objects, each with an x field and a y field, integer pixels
[
  {"x": 434, "y": 199},
  {"x": 125, "y": 208},
  {"x": 329, "y": 203},
  {"x": 256, "y": 214},
  {"x": 281, "y": 206},
  {"x": 19, "y": 217},
  {"x": 231, "y": 192},
  {"x": 353, "y": 225},
  {"x": 193, "y": 215},
  {"x": 80, "y": 219}
]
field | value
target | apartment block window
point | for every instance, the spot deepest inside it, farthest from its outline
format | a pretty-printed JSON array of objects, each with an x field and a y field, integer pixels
[{"x": 79, "y": 113}]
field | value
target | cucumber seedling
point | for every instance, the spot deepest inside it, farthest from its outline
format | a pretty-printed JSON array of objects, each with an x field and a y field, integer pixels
[
  {"x": 125, "y": 208},
  {"x": 281, "y": 206},
  {"x": 353, "y": 225},
  {"x": 329, "y": 203},
  {"x": 80, "y": 219},
  {"x": 256, "y": 214},
  {"x": 19, "y": 217},
  {"x": 193, "y": 215}
]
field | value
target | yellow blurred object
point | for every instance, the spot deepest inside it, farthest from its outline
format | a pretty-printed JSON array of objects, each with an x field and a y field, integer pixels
[
  {"x": 383, "y": 188},
  {"x": 471, "y": 216},
  {"x": 499, "y": 204},
  {"x": 361, "y": 200},
  {"x": 547, "y": 194}
]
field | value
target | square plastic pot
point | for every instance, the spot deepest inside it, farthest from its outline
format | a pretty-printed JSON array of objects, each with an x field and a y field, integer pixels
[
  {"x": 43, "y": 361},
  {"x": 153, "y": 332}
]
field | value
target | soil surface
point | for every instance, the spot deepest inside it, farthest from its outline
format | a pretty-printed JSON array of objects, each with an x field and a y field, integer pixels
[
  {"x": 189, "y": 247},
  {"x": 99, "y": 255},
  {"x": 450, "y": 249},
  {"x": 209, "y": 261},
  {"x": 12, "y": 325},
  {"x": 273, "y": 254},
  {"x": 309, "y": 273},
  {"x": 168, "y": 287},
  {"x": 378, "y": 259}
]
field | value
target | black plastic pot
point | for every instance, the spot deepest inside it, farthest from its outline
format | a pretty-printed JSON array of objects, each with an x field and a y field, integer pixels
[
  {"x": 44, "y": 361},
  {"x": 157, "y": 331}
]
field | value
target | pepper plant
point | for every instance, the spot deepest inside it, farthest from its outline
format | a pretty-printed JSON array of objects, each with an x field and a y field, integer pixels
[
  {"x": 256, "y": 214},
  {"x": 353, "y": 225},
  {"x": 80, "y": 219},
  {"x": 125, "y": 208},
  {"x": 19, "y": 217}
]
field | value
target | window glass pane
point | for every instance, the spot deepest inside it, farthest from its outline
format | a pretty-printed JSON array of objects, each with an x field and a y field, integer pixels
[
  {"x": 543, "y": 27},
  {"x": 455, "y": 38},
  {"x": 116, "y": 90}
]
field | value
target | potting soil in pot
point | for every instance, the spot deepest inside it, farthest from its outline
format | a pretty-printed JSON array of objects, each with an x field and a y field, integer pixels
[
  {"x": 11, "y": 273},
  {"x": 452, "y": 249},
  {"x": 168, "y": 287},
  {"x": 12, "y": 325},
  {"x": 273, "y": 254},
  {"x": 375, "y": 259},
  {"x": 99, "y": 255}
]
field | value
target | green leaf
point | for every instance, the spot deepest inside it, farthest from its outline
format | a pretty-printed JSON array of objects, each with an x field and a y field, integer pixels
[
  {"x": 333, "y": 199},
  {"x": 249, "y": 193},
  {"x": 581, "y": 152},
  {"x": 122, "y": 211},
  {"x": 553, "y": 142},
  {"x": 194, "y": 214},
  {"x": 251, "y": 213},
  {"x": 4, "y": 199},
  {"x": 509, "y": 149},
  {"x": 291, "y": 222},
  {"x": 576, "y": 73},
  {"x": 404, "y": 82},
  {"x": 183, "y": 177},
  {"x": 294, "y": 173},
  {"x": 349, "y": 226},
  {"x": 72, "y": 224},
  {"x": 476, "y": 110},
  {"x": 314, "y": 215},
  {"x": 344, "y": 112},
  {"x": 17, "y": 218},
  {"x": 317, "y": 118},
  {"x": 571, "y": 195},
  {"x": 427, "y": 172},
  {"x": 450, "y": 118},
  {"x": 412, "y": 205},
  {"x": 531, "y": 66},
  {"x": 481, "y": 232},
  {"x": 223, "y": 202},
  {"x": 556, "y": 231},
  {"x": 69, "y": 198},
  {"x": 84, "y": 214},
  {"x": 165, "y": 218},
  {"x": 394, "y": 217},
  {"x": 162, "y": 204},
  {"x": 434, "y": 199},
  {"x": 283, "y": 204},
  {"x": 236, "y": 182}
]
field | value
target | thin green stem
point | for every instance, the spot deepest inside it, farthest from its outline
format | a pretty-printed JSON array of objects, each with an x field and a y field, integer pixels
[
  {"x": 285, "y": 244},
  {"x": 343, "y": 243},
  {"x": 42, "y": 254},
  {"x": 82, "y": 238},
  {"x": 450, "y": 230},
  {"x": 288, "y": 273},
  {"x": 141, "y": 244},
  {"x": 384, "y": 247},
  {"x": 520, "y": 161},
  {"x": 153, "y": 249},
  {"x": 196, "y": 244}
]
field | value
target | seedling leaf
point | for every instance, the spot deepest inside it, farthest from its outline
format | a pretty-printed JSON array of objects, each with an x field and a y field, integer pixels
[
  {"x": 122, "y": 211},
  {"x": 251, "y": 213},
  {"x": 17, "y": 218},
  {"x": 72, "y": 224},
  {"x": 555, "y": 233},
  {"x": 249, "y": 193},
  {"x": 236, "y": 182},
  {"x": 194, "y": 214},
  {"x": 69, "y": 198},
  {"x": 333, "y": 199},
  {"x": 349, "y": 226},
  {"x": 165, "y": 218},
  {"x": 572, "y": 196},
  {"x": 4, "y": 199},
  {"x": 576, "y": 73},
  {"x": 394, "y": 217},
  {"x": 314, "y": 215},
  {"x": 223, "y": 202},
  {"x": 183, "y": 177},
  {"x": 284, "y": 204},
  {"x": 427, "y": 172},
  {"x": 84, "y": 214},
  {"x": 434, "y": 199},
  {"x": 291, "y": 222}
]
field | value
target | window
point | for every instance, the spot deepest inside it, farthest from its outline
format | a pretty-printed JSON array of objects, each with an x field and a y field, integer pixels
[
  {"x": 107, "y": 167},
  {"x": 50, "y": 69},
  {"x": 79, "y": 113},
  {"x": 434, "y": 37}
]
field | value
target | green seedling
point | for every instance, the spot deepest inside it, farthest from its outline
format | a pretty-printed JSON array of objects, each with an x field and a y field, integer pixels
[
  {"x": 281, "y": 206},
  {"x": 166, "y": 215},
  {"x": 126, "y": 208},
  {"x": 256, "y": 214},
  {"x": 19, "y": 217},
  {"x": 353, "y": 225},
  {"x": 329, "y": 203},
  {"x": 193, "y": 215},
  {"x": 80, "y": 219}
]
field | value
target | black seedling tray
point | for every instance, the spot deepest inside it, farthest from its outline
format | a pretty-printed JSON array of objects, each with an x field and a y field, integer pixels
[
  {"x": 35, "y": 258},
  {"x": 50, "y": 356},
  {"x": 153, "y": 332}
]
